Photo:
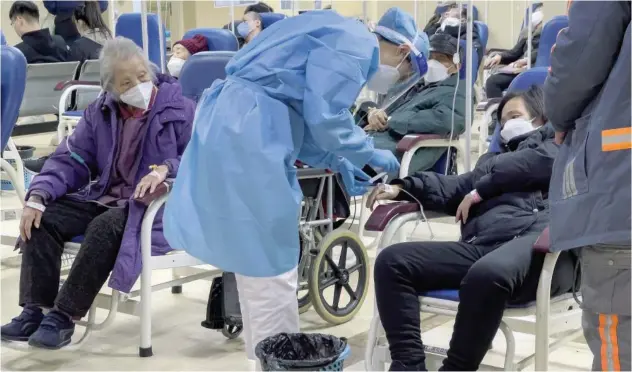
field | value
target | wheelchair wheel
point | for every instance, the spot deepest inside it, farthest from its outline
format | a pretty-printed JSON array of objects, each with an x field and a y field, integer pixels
[
  {"x": 330, "y": 281},
  {"x": 231, "y": 332}
]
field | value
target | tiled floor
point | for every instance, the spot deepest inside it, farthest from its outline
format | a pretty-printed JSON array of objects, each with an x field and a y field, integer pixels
[{"x": 181, "y": 344}]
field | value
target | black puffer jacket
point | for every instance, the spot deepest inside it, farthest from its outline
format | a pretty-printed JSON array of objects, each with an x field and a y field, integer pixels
[
  {"x": 41, "y": 47},
  {"x": 514, "y": 188}
]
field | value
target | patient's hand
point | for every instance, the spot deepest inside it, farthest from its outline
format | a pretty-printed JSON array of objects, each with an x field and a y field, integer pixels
[
  {"x": 378, "y": 120},
  {"x": 382, "y": 192}
]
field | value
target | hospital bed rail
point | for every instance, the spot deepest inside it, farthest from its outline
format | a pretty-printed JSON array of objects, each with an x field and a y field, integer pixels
[{"x": 547, "y": 317}]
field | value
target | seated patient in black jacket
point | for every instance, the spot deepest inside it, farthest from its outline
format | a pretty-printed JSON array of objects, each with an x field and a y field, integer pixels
[
  {"x": 502, "y": 206},
  {"x": 38, "y": 45}
]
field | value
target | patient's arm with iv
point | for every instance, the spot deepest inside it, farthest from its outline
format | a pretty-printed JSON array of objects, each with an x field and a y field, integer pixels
[
  {"x": 438, "y": 192},
  {"x": 71, "y": 165}
]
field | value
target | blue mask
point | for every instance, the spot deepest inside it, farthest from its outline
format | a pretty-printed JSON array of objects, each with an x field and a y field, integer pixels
[{"x": 243, "y": 29}]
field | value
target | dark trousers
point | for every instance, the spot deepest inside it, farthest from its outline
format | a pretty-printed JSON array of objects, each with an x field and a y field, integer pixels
[
  {"x": 497, "y": 84},
  {"x": 41, "y": 255},
  {"x": 487, "y": 278}
]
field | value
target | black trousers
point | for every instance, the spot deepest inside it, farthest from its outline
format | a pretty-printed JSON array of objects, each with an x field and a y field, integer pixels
[
  {"x": 497, "y": 84},
  {"x": 41, "y": 255},
  {"x": 488, "y": 278}
]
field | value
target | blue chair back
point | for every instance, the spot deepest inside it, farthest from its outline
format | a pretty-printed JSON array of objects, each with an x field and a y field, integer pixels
[
  {"x": 201, "y": 70},
  {"x": 12, "y": 84},
  {"x": 475, "y": 61},
  {"x": 483, "y": 33},
  {"x": 3, "y": 40},
  {"x": 129, "y": 25},
  {"x": 524, "y": 81},
  {"x": 548, "y": 38},
  {"x": 218, "y": 39},
  {"x": 267, "y": 19}
]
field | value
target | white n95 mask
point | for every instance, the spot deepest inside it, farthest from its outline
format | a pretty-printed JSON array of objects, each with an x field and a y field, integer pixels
[
  {"x": 516, "y": 127},
  {"x": 175, "y": 66},
  {"x": 536, "y": 18},
  {"x": 384, "y": 79},
  {"x": 139, "y": 96},
  {"x": 450, "y": 22},
  {"x": 436, "y": 72}
]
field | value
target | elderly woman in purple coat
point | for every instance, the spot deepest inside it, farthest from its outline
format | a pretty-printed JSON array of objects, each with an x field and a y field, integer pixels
[{"x": 128, "y": 141}]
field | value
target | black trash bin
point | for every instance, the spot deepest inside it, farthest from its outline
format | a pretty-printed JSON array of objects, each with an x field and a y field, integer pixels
[{"x": 302, "y": 352}]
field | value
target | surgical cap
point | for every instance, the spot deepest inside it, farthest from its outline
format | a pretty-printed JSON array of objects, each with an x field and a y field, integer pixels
[{"x": 405, "y": 30}]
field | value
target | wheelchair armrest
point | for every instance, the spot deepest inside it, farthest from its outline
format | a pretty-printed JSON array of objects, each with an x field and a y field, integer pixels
[
  {"x": 65, "y": 84},
  {"x": 543, "y": 244},
  {"x": 384, "y": 213},
  {"x": 411, "y": 140},
  {"x": 161, "y": 190}
]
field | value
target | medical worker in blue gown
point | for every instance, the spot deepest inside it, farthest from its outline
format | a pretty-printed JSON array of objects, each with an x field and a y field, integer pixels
[{"x": 235, "y": 204}]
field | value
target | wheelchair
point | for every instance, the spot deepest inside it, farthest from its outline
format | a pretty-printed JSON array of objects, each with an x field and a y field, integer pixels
[{"x": 330, "y": 256}]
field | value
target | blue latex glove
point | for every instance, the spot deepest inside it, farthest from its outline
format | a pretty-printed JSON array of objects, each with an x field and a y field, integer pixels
[
  {"x": 384, "y": 161},
  {"x": 356, "y": 182}
]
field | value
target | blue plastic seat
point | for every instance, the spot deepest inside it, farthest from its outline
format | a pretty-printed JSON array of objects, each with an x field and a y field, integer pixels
[
  {"x": 483, "y": 33},
  {"x": 74, "y": 114},
  {"x": 453, "y": 295},
  {"x": 129, "y": 25},
  {"x": 218, "y": 39},
  {"x": 3, "y": 40},
  {"x": 267, "y": 19},
  {"x": 201, "y": 70},
  {"x": 12, "y": 84},
  {"x": 548, "y": 38},
  {"x": 475, "y": 62}
]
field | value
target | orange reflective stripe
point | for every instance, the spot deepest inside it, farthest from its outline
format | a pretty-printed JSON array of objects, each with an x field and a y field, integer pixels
[
  {"x": 616, "y": 139},
  {"x": 616, "y": 364},
  {"x": 609, "y": 352},
  {"x": 604, "y": 344}
]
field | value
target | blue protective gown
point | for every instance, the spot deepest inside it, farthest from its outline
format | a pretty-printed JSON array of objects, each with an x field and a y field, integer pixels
[{"x": 235, "y": 203}]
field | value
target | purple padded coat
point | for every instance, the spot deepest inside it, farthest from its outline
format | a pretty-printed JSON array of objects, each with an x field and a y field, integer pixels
[{"x": 170, "y": 123}]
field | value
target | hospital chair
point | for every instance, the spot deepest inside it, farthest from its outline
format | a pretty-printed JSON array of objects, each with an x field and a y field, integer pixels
[
  {"x": 547, "y": 39},
  {"x": 218, "y": 39},
  {"x": 12, "y": 85},
  {"x": 126, "y": 302},
  {"x": 40, "y": 95},
  {"x": 533, "y": 76},
  {"x": 129, "y": 25},
  {"x": 558, "y": 317},
  {"x": 267, "y": 19},
  {"x": 449, "y": 163},
  {"x": 413, "y": 142},
  {"x": 77, "y": 94}
]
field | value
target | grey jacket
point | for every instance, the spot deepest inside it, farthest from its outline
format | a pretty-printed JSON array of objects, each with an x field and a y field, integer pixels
[{"x": 587, "y": 95}]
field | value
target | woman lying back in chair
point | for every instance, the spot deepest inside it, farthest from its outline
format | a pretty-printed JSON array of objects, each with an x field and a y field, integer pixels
[
  {"x": 87, "y": 188},
  {"x": 502, "y": 206}
]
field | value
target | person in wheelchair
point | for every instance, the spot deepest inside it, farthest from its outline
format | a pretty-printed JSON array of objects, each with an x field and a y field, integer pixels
[
  {"x": 429, "y": 107},
  {"x": 127, "y": 143},
  {"x": 502, "y": 206}
]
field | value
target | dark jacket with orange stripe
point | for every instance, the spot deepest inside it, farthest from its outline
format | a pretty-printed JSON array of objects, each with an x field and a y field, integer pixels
[{"x": 587, "y": 95}]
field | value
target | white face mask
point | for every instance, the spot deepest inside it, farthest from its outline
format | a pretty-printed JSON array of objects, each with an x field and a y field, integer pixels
[
  {"x": 385, "y": 78},
  {"x": 175, "y": 66},
  {"x": 450, "y": 22},
  {"x": 139, "y": 96},
  {"x": 516, "y": 127},
  {"x": 536, "y": 18},
  {"x": 436, "y": 72}
]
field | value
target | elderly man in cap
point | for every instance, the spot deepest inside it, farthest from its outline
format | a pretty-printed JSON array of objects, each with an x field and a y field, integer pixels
[{"x": 426, "y": 106}]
